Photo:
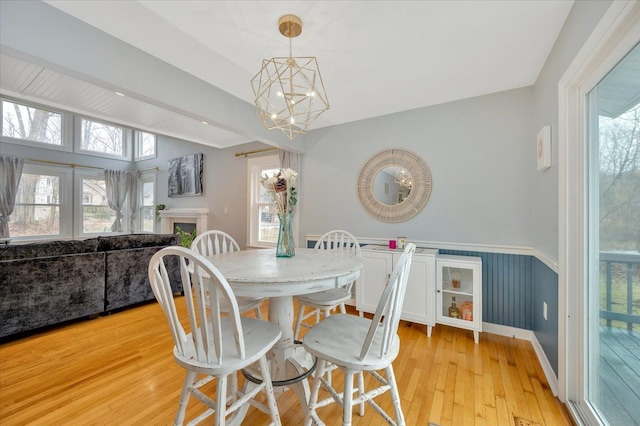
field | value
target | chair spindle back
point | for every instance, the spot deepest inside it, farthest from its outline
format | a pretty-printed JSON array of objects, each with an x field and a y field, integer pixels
[
  {"x": 214, "y": 242},
  {"x": 387, "y": 316},
  {"x": 202, "y": 297}
]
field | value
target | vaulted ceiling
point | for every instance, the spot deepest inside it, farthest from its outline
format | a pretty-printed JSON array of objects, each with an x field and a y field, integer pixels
[{"x": 376, "y": 58}]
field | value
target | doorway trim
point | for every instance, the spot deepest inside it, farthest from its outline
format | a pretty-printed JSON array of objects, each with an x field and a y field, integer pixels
[{"x": 614, "y": 36}]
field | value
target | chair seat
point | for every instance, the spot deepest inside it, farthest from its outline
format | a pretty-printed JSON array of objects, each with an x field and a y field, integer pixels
[
  {"x": 246, "y": 303},
  {"x": 259, "y": 337},
  {"x": 339, "y": 339},
  {"x": 326, "y": 298}
]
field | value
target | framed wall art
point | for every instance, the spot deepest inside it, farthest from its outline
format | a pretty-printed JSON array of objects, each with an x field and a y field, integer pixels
[
  {"x": 544, "y": 148},
  {"x": 185, "y": 175}
]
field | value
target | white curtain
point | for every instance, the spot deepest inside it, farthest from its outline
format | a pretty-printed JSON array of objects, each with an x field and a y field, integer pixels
[
  {"x": 117, "y": 185},
  {"x": 289, "y": 160},
  {"x": 10, "y": 173},
  {"x": 133, "y": 200}
]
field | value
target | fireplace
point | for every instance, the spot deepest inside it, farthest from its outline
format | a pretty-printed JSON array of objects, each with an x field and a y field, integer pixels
[{"x": 186, "y": 219}]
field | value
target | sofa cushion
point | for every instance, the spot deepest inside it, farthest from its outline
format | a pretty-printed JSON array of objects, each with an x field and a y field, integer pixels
[
  {"x": 49, "y": 290},
  {"x": 48, "y": 249},
  {"x": 130, "y": 241}
]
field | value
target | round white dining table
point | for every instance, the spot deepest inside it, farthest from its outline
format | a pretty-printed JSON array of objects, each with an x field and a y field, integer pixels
[{"x": 259, "y": 273}]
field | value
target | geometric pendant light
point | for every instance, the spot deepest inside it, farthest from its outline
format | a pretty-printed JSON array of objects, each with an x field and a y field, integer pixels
[{"x": 289, "y": 93}]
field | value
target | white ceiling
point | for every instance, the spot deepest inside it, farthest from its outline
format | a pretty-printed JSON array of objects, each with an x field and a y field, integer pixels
[{"x": 376, "y": 58}]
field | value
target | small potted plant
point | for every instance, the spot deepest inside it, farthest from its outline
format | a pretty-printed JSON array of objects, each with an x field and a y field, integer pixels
[
  {"x": 186, "y": 238},
  {"x": 158, "y": 208}
]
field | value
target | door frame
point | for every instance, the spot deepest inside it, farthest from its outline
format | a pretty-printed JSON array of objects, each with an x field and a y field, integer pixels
[{"x": 615, "y": 35}]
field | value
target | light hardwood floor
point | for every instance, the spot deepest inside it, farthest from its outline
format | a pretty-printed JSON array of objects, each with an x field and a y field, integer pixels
[{"x": 119, "y": 370}]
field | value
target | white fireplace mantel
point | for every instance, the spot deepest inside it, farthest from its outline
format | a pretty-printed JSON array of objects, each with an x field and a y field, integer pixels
[{"x": 169, "y": 217}]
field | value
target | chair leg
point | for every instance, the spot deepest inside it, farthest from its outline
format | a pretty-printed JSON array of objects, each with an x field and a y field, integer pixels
[
  {"x": 221, "y": 401},
  {"x": 296, "y": 330},
  {"x": 347, "y": 397},
  {"x": 268, "y": 388},
  {"x": 184, "y": 397},
  {"x": 361, "y": 391},
  {"x": 232, "y": 387},
  {"x": 343, "y": 308},
  {"x": 395, "y": 396},
  {"x": 315, "y": 389}
]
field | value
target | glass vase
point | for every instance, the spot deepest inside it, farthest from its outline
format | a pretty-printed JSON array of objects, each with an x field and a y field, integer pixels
[{"x": 285, "y": 247}]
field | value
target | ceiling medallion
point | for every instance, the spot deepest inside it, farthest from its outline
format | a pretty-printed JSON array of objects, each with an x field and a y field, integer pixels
[{"x": 289, "y": 93}]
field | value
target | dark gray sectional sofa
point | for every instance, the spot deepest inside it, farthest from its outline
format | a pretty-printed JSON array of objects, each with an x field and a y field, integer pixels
[{"x": 42, "y": 284}]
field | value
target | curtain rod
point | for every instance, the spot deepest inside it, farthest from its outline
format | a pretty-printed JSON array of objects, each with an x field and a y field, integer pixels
[
  {"x": 240, "y": 154},
  {"x": 73, "y": 165}
]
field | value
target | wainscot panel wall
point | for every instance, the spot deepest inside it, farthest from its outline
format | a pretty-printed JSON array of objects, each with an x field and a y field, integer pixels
[
  {"x": 545, "y": 289},
  {"x": 506, "y": 288}
]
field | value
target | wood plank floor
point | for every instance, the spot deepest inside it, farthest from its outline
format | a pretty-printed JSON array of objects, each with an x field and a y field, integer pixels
[{"x": 119, "y": 370}]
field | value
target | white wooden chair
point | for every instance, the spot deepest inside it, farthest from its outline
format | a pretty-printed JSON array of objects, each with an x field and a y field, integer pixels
[
  {"x": 215, "y": 242},
  {"x": 323, "y": 302},
  {"x": 356, "y": 345},
  {"x": 219, "y": 344}
]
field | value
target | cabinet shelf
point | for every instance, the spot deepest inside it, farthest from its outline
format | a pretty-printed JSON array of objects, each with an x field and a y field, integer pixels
[
  {"x": 464, "y": 293},
  {"x": 466, "y": 271}
]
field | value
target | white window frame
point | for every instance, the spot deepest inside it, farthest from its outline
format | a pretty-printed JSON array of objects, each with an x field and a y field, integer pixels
[
  {"x": 79, "y": 210},
  {"x": 66, "y": 201},
  {"x": 126, "y": 136},
  {"x": 147, "y": 177},
  {"x": 66, "y": 127},
  {"x": 137, "y": 142},
  {"x": 615, "y": 35},
  {"x": 254, "y": 170}
]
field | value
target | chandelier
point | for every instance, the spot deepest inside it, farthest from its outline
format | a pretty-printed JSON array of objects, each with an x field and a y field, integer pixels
[
  {"x": 403, "y": 178},
  {"x": 289, "y": 93}
]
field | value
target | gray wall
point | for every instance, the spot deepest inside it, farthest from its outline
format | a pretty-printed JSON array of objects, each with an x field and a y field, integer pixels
[
  {"x": 580, "y": 23},
  {"x": 225, "y": 177},
  {"x": 582, "y": 19},
  {"x": 225, "y": 183},
  {"x": 481, "y": 163}
]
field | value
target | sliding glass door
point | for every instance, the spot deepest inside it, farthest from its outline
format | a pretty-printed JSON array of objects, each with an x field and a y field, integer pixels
[{"x": 612, "y": 305}]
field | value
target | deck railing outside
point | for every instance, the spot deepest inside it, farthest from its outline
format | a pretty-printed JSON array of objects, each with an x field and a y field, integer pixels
[{"x": 621, "y": 275}]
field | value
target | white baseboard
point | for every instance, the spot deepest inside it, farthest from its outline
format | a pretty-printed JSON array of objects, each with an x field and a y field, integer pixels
[{"x": 518, "y": 333}]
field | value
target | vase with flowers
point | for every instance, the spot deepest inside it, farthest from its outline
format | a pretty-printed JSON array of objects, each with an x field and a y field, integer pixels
[{"x": 281, "y": 187}]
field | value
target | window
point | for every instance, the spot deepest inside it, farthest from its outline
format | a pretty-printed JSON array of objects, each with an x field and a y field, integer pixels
[
  {"x": 31, "y": 125},
  {"x": 95, "y": 215},
  {"x": 263, "y": 219},
  {"x": 102, "y": 139},
  {"x": 613, "y": 213},
  {"x": 145, "y": 146},
  {"x": 42, "y": 202},
  {"x": 147, "y": 213}
]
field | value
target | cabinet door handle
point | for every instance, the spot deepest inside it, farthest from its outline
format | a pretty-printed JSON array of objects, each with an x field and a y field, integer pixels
[{"x": 438, "y": 290}]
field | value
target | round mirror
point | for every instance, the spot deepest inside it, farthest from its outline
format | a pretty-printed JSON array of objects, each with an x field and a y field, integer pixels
[{"x": 394, "y": 185}]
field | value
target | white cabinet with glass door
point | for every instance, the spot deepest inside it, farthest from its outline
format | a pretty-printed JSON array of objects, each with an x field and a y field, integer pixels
[
  {"x": 378, "y": 262},
  {"x": 459, "y": 292}
]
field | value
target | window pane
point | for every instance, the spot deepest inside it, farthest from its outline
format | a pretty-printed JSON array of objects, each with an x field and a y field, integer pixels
[
  {"x": 147, "y": 194},
  {"x": 37, "y": 210},
  {"x": 22, "y": 122},
  {"x": 147, "y": 210},
  {"x": 97, "y": 216},
  {"x": 264, "y": 195},
  {"x": 148, "y": 219},
  {"x": 146, "y": 144},
  {"x": 103, "y": 138},
  {"x": 268, "y": 224},
  {"x": 612, "y": 317}
]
